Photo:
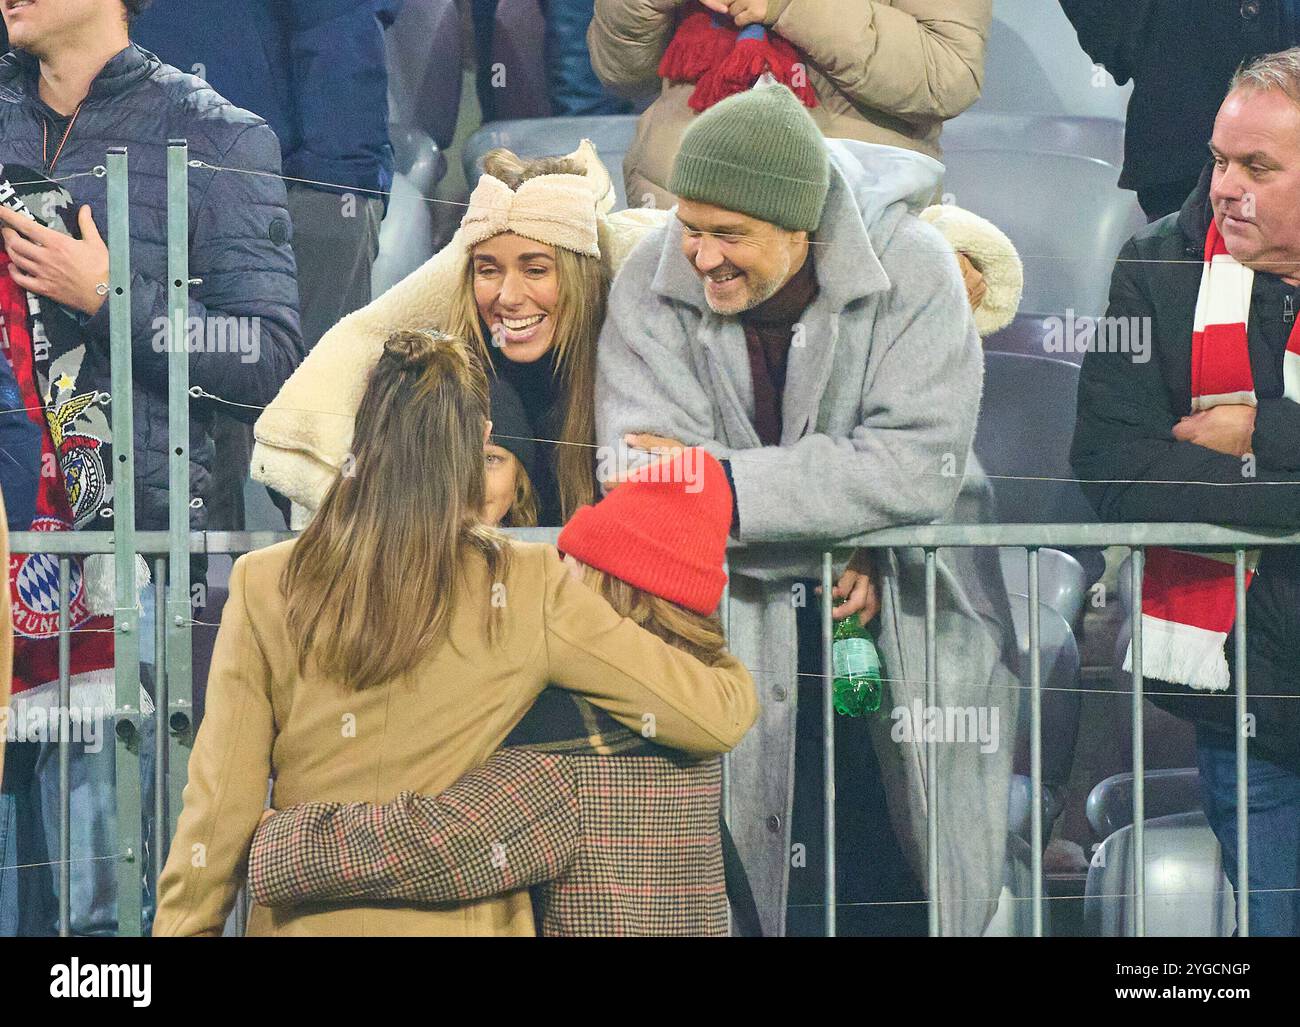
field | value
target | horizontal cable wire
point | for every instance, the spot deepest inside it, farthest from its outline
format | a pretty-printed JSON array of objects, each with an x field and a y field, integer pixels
[{"x": 205, "y": 166}]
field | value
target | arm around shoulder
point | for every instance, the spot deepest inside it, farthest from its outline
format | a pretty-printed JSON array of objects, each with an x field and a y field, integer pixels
[{"x": 644, "y": 683}]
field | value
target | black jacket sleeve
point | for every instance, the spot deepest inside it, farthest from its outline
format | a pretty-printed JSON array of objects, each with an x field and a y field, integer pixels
[
  {"x": 1124, "y": 448},
  {"x": 1277, "y": 434},
  {"x": 1111, "y": 32}
]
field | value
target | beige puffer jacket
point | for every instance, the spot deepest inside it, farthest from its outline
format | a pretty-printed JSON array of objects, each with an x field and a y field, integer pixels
[{"x": 885, "y": 71}]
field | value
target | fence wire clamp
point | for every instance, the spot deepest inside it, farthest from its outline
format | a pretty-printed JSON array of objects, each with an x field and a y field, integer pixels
[{"x": 99, "y": 171}]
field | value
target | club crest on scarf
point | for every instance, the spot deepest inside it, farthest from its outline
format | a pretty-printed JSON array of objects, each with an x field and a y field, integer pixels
[{"x": 43, "y": 343}]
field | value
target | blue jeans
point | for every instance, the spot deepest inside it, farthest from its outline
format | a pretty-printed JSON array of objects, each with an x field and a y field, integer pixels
[
  {"x": 29, "y": 824},
  {"x": 1273, "y": 805},
  {"x": 573, "y": 86}
]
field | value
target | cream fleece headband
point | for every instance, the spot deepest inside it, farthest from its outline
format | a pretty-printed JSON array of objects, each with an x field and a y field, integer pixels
[{"x": 559, "y": 210}]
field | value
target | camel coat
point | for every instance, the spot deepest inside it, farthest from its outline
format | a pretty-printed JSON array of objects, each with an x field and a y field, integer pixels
[
  {"x": 321, "y": 741},
  {"x": 884, "y": 71}
]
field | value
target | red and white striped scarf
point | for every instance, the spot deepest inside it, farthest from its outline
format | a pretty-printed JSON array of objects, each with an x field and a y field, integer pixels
[{"x": 1188, "y": 599}]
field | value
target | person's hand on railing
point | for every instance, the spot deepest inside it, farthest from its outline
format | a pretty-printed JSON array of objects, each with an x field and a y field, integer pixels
[
  {"x": 857, "y": 588},
  {"x": 1229, "y": 428}
]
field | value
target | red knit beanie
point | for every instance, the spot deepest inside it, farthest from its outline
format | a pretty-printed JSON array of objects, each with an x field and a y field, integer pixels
[{"x": 664, "y": 530}]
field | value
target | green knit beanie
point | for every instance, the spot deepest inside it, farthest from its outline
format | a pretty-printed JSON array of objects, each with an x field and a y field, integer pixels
[{"x": 758, "y": 153}]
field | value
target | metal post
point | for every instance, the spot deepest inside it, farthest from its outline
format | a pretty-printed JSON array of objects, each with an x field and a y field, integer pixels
[
  {"x": 931, "y": 747},
  {"x": 1035, "y": 744},
  {"x": 1243, "y": 818},
  {"x": 177, "y": 714},
  {"x": 126, "y": 618},
  {"x": 241, "y": 912},
  {"x": 724, "y": 612},
  {"x": 828, "y": 736},
  {"x": 160, "y": 836},
  {"x": 65, "y": 748},
  {"x": 1137, "y": 560}
]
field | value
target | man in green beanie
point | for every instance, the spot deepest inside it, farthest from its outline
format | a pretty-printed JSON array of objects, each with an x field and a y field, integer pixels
[{"x": 800, "y": 322}]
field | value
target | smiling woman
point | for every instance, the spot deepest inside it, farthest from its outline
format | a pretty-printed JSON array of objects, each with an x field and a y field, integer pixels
[{"x": 533, "y": 299}]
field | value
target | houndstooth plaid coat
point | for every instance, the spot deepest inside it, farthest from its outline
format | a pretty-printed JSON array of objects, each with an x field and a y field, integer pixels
[{"x": 614, "y": 845}]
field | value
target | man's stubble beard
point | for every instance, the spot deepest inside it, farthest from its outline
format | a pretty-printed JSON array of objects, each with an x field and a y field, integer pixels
[{"x": 762, "y": 291}]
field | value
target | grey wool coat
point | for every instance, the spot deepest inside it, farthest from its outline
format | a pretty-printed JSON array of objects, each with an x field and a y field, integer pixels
[{"x": 879, "y": 410}]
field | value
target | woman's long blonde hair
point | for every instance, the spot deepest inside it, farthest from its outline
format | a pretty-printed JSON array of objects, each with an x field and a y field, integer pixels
[
  {"x": 579, "y": 313},
  {"x": 372, "y": 580},
  {"x": 697, "y": 634}
]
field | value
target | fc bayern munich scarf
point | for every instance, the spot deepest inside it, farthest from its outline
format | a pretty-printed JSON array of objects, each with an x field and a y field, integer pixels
[
  {"x": 721, "y": 60},
  {"x": 1188, "y": 599},
  {"x": 71, "y": 490}
]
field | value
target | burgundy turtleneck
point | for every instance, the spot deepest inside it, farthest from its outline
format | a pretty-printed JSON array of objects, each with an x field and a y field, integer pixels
[{"x": 769, "y": 329}]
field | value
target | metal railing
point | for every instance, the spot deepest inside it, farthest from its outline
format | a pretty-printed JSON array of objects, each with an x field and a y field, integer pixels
[{"x": 173, "y": 653}]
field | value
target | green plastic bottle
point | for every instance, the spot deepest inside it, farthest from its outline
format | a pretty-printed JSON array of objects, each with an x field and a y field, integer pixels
[{"x": 856, "y": 668}]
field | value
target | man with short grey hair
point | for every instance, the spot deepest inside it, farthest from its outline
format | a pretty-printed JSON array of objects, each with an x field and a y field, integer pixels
[{"x": 1207, "y": 431}]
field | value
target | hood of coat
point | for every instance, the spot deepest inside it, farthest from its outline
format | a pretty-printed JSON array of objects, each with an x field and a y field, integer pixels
[{"x": 872, "y": 187}]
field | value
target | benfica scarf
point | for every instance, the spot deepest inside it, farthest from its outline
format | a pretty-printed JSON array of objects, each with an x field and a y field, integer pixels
[
  {"x": 721, "y": 60},
  {"x": 1188, "y": 599},
  {"x": 42, "y": 344}
]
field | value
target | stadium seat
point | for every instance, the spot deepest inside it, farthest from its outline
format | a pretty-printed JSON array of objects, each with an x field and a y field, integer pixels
[
  {"x": 610, "y": 134},
  {"x": 1059, "y": 666},
  {"x": 1033, "y": 64},
  {"x": 1061, "y": 581},
  {"x": 1102, "y": 138},
  {"x": 1110, "y": 803},
  {"x": 406, "y": 235},
  {"x": 1065, "y": 213},
  {"x": 1025, "y": 427},
  {"x": 1037, "y": 336},
  {"x": 1014, "y": 915},
  {"x": 519, "y": 52},
  {"x": 424, "y": 68},
  {"x": 1187, "y": 893}
]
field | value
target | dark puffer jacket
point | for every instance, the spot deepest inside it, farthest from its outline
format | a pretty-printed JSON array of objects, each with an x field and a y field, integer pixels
[
  {"x": 1137, "y": 471},
  {"x": 315, "y": 69},
  {"x": 239, "y": 243}
]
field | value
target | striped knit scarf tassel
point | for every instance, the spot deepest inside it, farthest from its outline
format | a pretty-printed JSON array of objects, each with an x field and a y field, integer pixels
[{"x": 721, "y": 60}]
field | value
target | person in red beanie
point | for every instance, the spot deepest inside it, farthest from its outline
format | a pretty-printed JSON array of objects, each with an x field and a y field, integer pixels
[{"x": 614, "y": 833}]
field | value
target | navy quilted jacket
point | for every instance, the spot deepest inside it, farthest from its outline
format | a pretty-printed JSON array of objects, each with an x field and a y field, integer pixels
[
  {"x": 239, "y": 245},
  {"x": 315, "y": 69}
]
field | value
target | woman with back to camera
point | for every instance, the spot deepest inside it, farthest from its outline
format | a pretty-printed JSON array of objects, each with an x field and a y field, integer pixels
[
  {"x": 394, "y": 645},
  {"x": 618, "y": 835}
]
